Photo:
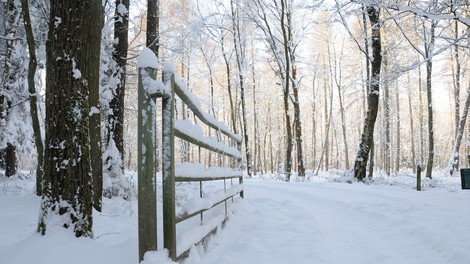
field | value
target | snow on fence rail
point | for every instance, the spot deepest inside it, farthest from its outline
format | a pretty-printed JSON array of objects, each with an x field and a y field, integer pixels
[{"x": 149, "y": 90}]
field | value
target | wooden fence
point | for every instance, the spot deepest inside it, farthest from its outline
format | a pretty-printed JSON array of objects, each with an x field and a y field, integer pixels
[{"x": 226, "y": 145}]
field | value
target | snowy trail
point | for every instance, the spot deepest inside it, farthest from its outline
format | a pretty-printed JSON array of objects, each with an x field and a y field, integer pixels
[{"x": 343, "y": 223}]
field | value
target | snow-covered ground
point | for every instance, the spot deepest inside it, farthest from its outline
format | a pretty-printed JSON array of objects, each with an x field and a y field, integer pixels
[{"x": 322, "y": 220}]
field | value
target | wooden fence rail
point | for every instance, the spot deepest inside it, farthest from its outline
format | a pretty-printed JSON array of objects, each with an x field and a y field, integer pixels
[{"x": 167, "y": 90}]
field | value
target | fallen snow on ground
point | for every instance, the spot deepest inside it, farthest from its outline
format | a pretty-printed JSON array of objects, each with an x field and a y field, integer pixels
[{"x": 321, "y": 219}]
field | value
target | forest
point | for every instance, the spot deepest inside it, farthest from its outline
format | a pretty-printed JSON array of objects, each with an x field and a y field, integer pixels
[{"x": 361, "y": 86}]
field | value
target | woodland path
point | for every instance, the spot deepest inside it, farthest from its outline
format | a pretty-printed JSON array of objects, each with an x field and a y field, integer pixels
[{"x": 342, "y": 223}]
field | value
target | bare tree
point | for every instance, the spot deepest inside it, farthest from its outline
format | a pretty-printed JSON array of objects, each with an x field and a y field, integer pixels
[
  {"x": 360, "y": 166},
  {"x": 239, "y": 42},
  {"x": 33, "y": 95}
]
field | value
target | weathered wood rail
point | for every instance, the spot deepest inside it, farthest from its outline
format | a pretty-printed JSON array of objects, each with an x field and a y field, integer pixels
[{"x": 227, "y": 145}]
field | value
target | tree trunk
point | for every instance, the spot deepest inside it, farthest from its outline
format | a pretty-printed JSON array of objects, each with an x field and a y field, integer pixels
[
  {"x": 387, "y": 145},
  {"x": 240, "y": 57},
  {"x": 456, "y": 76},
  {"x": 328, "y": 117},
  {"x": 33, "y": 96},
  {"x": 454, "y": 157},
  {"x": 412, "y": 134},
  {"x": 229, "y": 87},
  {"x": 421, "y": 118},
  {"x": 429, "y": 50},
  {"x": 13, "y": 13},
  {"x": 327, "y": 122},
  {"x": 95, "y": 131},
  {"x": 153, "y": 26},
  {"x": 373, "y": 96},
  {"x": 255, "y": 114},
  {"x": 72, "y": 70},
  {"x": 398, "y": 148},
  {"x": 10, "y": 159},
  {"x": 153, "y": 43},
  {"x": 372, "y": 160},
  {"x": 116, "y": 120}
]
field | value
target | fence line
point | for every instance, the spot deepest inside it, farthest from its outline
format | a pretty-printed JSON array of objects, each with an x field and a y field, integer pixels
[{"x": 149, "y": 90}]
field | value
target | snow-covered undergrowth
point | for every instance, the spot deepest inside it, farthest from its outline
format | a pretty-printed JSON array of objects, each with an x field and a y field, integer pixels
[{"x": 326, "y": 218}]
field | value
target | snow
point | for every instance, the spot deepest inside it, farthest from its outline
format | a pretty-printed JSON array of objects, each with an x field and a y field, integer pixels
[
  {"x": 121, "y": 9},
  {"x": 147, "y": 59},
  {"x": 57, "y": 22},
  {"x": 187, "y": 169},
  {"x": 323, "y": 219},
  {"x": 195, "y": 105},
  {"x": 75, "y": 72},
  {"x": 195, "y": 131},
  {"x": 93, "y": 110}
]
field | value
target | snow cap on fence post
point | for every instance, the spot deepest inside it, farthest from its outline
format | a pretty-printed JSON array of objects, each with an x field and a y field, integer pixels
[
  {"x": 146, "y": 122},
  {"x": 147, "y": 59}
]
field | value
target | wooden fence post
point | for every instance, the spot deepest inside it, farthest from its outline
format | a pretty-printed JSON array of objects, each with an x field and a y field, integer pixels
[
  {"x": 168, "y": 172},
  {"x": 147, "y": 200},
  {"x": 418, "y": 178}
]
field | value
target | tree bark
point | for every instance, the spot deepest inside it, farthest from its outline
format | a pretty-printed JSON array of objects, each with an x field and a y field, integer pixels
[
  {"x": 360, "y": 165},
  {"x": 240, "y": 57},
  {"x": 387, "y": 145},
  {"x": 428, "y": 56},
  {"x": 398, "y": 148},
  {"x": 454, "y": 157},
  {"x": 33, "y": 96},
  {"x": 412, "y": 134},
  {"x": 72, "y": 70},
  {"x": 13, "y": 13},
  {"x": 116, "y": 120},
  {"x": 153, "y": 26}
]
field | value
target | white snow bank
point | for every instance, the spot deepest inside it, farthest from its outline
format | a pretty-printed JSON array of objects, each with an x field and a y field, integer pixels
[
  {"x": 157, "y": 257},
  {"x": 320, "y": 220}
]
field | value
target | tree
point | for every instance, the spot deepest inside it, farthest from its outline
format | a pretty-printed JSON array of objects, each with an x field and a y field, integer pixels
[
  {"x": 33, "y": 95},
  {"x": 115, "y": 126},
  {"x": 11, "y": 105},
  {"x": 274, "y": 19},
  {"x": 153, "y": 25},
  {"x": 72, "y": 70},
  {"x": 360, "y": 165},
  {"x": 240, "y": 55}
]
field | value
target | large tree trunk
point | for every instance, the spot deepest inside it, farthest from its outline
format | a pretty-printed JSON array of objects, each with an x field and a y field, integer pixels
[
  {"x": 72, "y": 70},
  {"x": 360, "y": 165},
  {"x": 95, "y": 130},
  {"x": 33, "y": 95}
]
